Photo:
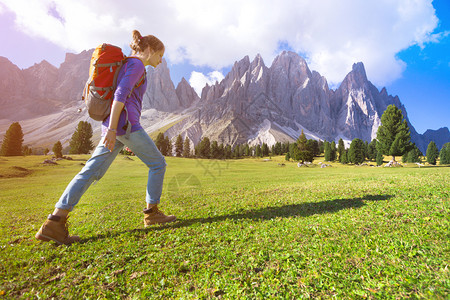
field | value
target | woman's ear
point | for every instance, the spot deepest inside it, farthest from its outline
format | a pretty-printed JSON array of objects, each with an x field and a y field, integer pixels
[{"x": 149, "y": 51}]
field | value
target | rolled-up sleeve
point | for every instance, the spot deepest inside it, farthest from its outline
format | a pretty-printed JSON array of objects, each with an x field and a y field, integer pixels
[{"x": 134, "y": 69}]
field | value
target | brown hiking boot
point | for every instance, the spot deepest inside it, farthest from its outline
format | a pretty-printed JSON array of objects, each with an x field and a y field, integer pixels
[
  {"x": 55, "y": 228},
  {"x": 155, "y": 216}
]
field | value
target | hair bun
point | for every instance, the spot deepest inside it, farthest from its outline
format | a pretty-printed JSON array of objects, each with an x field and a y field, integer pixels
[{"x": 140, "y": 43}]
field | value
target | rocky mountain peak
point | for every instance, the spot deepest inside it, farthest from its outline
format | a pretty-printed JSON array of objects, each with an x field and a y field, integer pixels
[
  {"x": 185, "y": 93},
  {"x": 291, "y": 66},
  {"x": 258, "y": 70},
  {"x": 288, "y": 59},
  {"x": 162, "y": 95},
  {"x": 357, "y": 78},
  {"x": 320, "y": 80},
  {"x": 442, "y": 130},
  {"x": 71, "y": 57},
  {"x": 5, "y": 60},
  {"x": 41, "y": 69},
  {"x": 6, "y": 66},
  {"x": 440, "y": 137},
  {"x": 11, "y": 83},
  {"x": 257, "y": 61},
  {"x": 359, "y": 68},
  {"x": 239, "y": 69},
  {"x": 44, "y": 64}
]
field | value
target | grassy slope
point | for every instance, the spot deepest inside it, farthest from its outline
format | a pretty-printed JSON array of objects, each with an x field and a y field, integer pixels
[{"x": 247, "y": 229}]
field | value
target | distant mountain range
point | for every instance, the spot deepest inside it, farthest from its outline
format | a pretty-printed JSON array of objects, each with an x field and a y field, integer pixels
[{"x": 252, "y": 104}]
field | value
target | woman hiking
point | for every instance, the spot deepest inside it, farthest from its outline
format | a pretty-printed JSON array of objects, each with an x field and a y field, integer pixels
[{"x": 146, "y": 50}]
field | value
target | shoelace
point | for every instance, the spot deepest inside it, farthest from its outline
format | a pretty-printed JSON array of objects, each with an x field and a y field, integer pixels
[
  {"x": 157, "y": 211},
  {"x": 66, "y": 227}
]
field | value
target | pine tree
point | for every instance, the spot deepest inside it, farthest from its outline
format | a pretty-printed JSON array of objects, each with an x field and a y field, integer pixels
[
  {"x": 246, "y": 150},
  {"x": 197, "y": 150},
  {"x": 372, "y": 150},
  {"x": 215, "y": 151},
  {"x": 81, "y": 143},
  {"x": 327, "y": 151},
  {"x": 12, "y": 142},
  {"x": 321, "y": 146},
  {"x": 57, "y": 149},
  {"x": 187, "y": 148},
  {"x": 304, "y": 154},
  {"x": 287, "y": 156},
  {"x": 168, "y": 146},
  {"x": 285, "y": 148},
  {"x": 26, "y": 150},
  {"x": 379, "y": 159},
  {"x": 313, "y": 146},
  {"x": 265, "y": 150},
  {"x": 258, "y": 152},
  {"x": 205, "y": 148},
  {"x": 221, "y": 151},
  {"x": 160, "y": 143},
  {"x": 277, "y": 149},
  {"x": 227, "y": 152},
  {"x": 344, "y": 159},
  {"x": 179, "y": 146},
  {"x": 294, "y": 152},
  {"x": 393, "y": 135},
  {"x": 432, "y": 153},
  {"x": 356, "y": 152},
  {"x": 366, "y": 150},
  {"x": 236, "y": 151},
  {"x": 333, "y": 150},
  {"x": 341, "y": 149},
  {"x": 412, "y": 156},
  {"x": 444, "y": 155},
  {"x": 46, "y": 151}
]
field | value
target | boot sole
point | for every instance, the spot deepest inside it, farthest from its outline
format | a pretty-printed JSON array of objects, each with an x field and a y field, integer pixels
[
  {"x": 159, "y": 223},
  {"x": 45, "y": 238}
]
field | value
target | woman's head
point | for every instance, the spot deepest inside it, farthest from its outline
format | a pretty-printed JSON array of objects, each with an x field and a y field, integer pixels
[{"x": 148, "y": 47}]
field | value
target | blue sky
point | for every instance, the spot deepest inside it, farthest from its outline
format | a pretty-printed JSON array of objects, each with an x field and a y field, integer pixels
[
  {"x": 404, "y": 45},
  {"x": 424, "y": 87}
]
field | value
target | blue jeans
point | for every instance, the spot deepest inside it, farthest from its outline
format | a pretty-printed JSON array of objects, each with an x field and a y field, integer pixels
[{"x": 142, "y": 145}]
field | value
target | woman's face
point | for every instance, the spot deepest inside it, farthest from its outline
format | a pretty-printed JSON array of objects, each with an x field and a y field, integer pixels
[{"x": 154, "y": 58}]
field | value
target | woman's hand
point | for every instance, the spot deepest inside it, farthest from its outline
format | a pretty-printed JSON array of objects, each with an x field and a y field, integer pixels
[{"x": 110, "y": 140}]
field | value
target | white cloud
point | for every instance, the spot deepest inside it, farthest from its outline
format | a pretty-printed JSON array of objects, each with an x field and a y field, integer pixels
[
  {"x": 332, "y": 34},
  {"x": 199, "y": 80}
]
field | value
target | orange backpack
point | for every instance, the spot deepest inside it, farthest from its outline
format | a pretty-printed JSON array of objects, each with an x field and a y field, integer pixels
[{"x": 99, "y": 91}]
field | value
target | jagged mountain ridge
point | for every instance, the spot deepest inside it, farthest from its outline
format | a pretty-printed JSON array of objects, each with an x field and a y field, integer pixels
[
  {"x": 253, "y": 103},
  {"x": 277, "y": 102}
]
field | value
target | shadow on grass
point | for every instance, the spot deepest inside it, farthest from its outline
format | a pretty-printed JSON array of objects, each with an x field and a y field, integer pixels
[{"x": 267, "y": 213}]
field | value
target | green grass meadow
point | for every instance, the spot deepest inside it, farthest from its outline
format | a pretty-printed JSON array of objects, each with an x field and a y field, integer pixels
[{"x": 246, "y": 229}]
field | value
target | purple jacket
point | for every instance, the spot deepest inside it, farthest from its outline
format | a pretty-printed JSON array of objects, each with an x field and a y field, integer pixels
[{"x": 129, "y": 75}]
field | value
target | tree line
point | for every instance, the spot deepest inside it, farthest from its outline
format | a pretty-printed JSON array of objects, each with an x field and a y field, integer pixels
[
  {"x": 214, "y": 150},
  {"x": 393, "y": 138},
  {"x": 80, "y": 143}
]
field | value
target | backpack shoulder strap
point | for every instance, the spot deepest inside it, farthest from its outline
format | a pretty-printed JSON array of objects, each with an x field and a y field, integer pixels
[{"x": 140, "y": 81}]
